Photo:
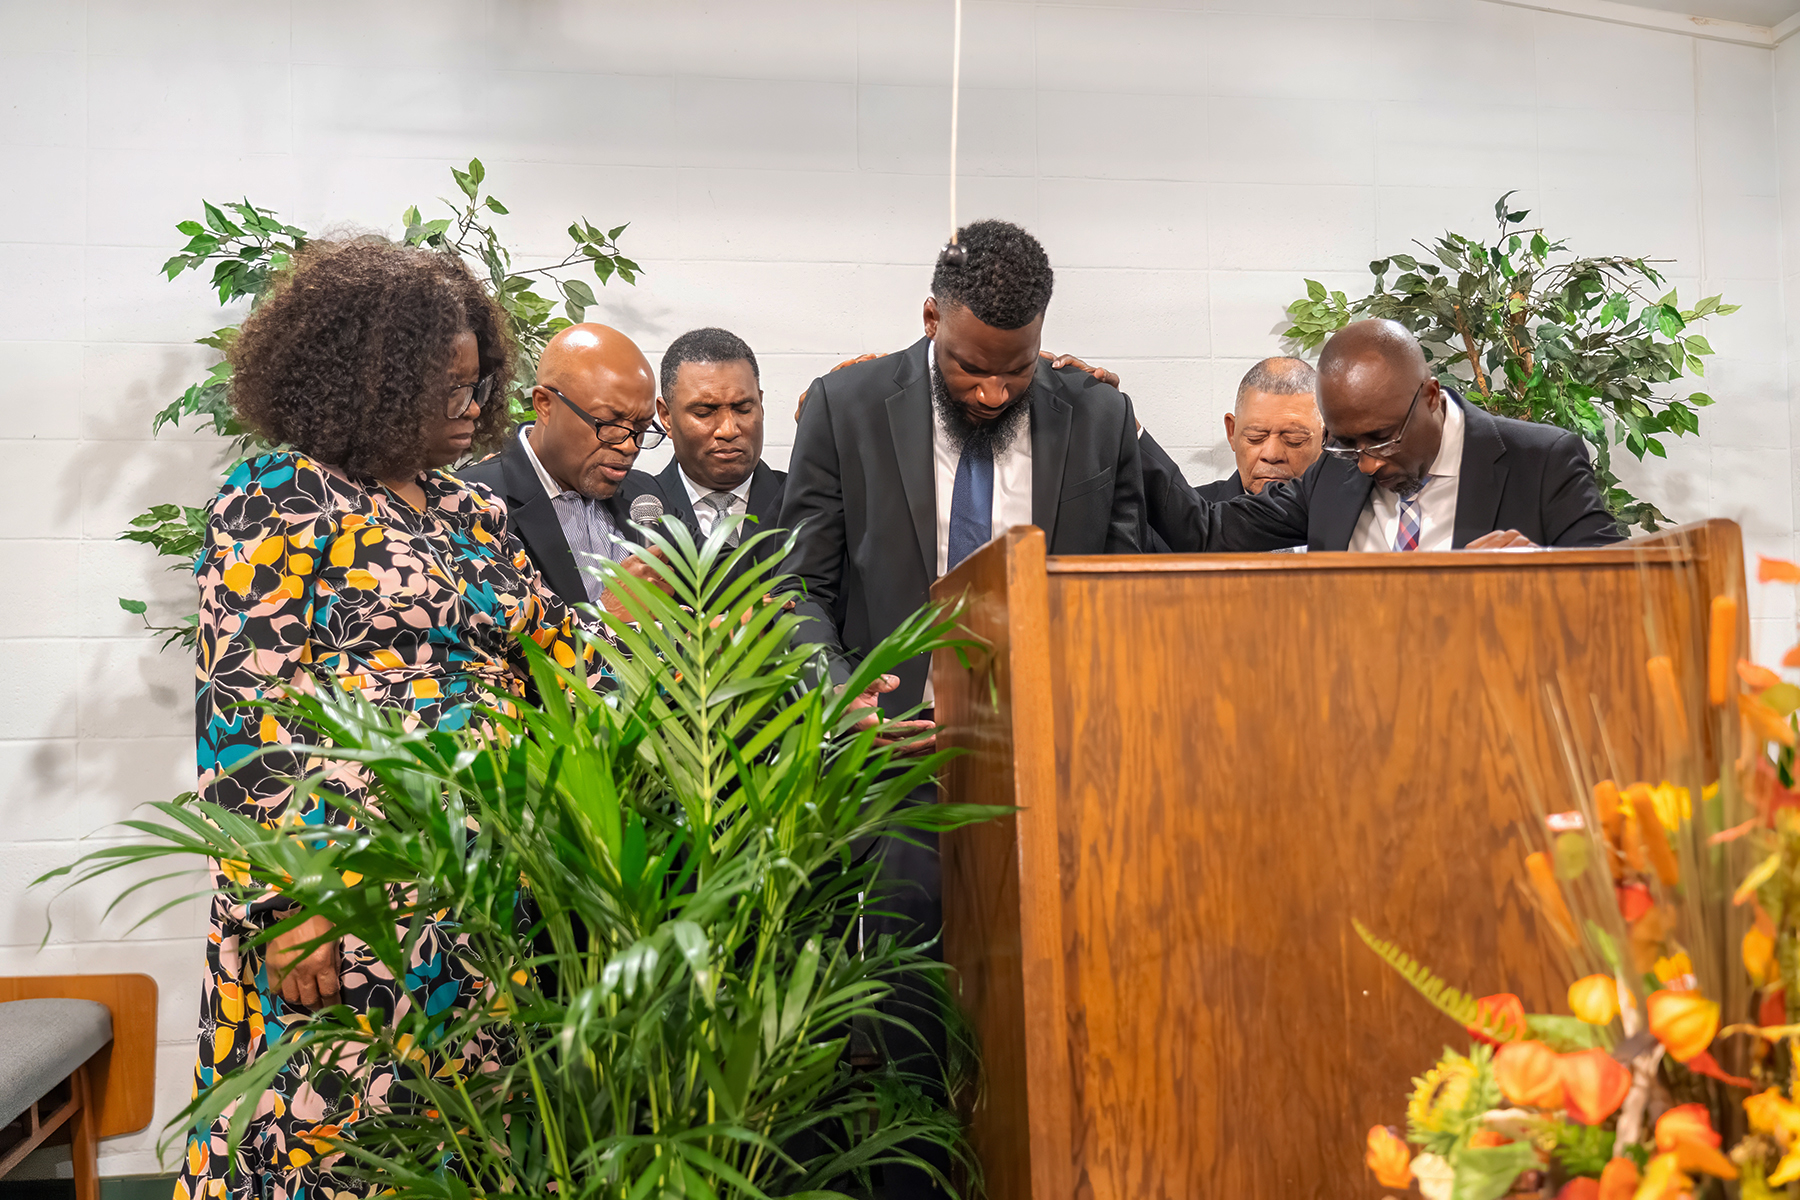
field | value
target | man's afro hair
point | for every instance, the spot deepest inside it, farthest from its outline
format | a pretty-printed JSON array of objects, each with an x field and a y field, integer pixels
[{"x": 1004, "y": 278}]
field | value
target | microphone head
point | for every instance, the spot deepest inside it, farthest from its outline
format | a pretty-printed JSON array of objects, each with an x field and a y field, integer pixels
[
  {"x": 954, "y": 254},
  {"x": 646, "y": 508}
]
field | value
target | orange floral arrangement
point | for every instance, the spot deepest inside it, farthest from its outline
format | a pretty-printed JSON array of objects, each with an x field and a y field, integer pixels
[{"x": 1673, "y": 1075}]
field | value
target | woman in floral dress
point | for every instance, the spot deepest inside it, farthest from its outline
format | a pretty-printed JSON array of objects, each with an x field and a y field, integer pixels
[{"x": 351, "y": 561}]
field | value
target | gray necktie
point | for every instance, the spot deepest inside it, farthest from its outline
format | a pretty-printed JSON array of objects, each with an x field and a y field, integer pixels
[{"x": 720, "y": 503}]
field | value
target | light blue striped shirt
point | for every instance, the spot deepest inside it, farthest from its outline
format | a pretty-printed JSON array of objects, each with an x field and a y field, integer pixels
[{"x": 587, "y": 524}]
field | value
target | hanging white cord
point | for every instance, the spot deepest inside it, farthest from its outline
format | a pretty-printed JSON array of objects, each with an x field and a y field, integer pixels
[{"x": 955, "y": 97}]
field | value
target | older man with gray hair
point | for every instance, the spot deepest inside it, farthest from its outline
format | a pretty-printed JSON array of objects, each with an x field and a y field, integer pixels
[{"x": 1274, "y": 431}]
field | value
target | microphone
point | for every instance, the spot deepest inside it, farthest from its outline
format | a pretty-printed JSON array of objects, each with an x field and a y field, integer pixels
[{"x": 646, "y": 509}]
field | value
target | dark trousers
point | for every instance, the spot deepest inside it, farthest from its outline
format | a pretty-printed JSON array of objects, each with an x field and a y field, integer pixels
[{"x": 912, "y": 901}]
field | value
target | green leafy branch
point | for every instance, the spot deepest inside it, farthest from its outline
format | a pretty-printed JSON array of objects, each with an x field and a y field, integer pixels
[
  {"x": 467, "y": 233},
  {"x": 249, "y": 247},
  {"x": 1528, "y": 330}
]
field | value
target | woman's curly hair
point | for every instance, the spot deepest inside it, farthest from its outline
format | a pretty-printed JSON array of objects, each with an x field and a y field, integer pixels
[{"x": 347, "y": 359}]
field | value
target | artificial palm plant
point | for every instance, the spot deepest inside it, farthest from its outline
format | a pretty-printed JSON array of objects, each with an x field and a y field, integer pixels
[{"x": 664, "y": 879}]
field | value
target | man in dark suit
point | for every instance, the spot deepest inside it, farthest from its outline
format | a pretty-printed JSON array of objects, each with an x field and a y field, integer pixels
[
  {"x": 905, "y": 464},
  {"x": 712, "y": 406},
  {"x": 1410, "y": 465},
  {"x": 1274, "y": 431},
  {"x": 566, "y": 478}
]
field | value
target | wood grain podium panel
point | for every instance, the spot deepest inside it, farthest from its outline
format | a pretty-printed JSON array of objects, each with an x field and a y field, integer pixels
[{"x": 1245, "y": 752}]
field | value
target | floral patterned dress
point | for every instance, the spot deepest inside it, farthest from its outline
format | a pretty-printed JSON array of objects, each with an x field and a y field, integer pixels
[{"x": 310, "y": 574}]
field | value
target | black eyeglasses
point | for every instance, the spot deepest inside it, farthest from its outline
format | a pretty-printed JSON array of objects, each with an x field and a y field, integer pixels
[
  {"x": 465, "y": 396},
  {"x": 612, "y": 433},
  {"x": 1381, "y": 450}
]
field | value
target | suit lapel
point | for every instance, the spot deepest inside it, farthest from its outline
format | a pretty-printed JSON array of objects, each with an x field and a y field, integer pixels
[
  {"x": 909, "y": 421},
  {"x": 1336, "y": 505},
  {"x": 765, "y": 496},
  {"x": 675, "y": 497},
  {"x": 766, "y": 487},
  {"x": 535, "y": 518},
  {"x": 1483, "y": 475},
  {"x": 1051, "y": 418}
]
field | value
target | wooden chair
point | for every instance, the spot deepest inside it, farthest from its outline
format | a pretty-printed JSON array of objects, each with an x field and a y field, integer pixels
[{"x": 77, "y": 1063}]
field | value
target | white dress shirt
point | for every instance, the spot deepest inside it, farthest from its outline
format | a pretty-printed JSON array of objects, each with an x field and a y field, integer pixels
[
  {"x": 1012, "y": 485},
  {"x": 1379, "y": 524},
  {"x": 587, "y": 525},
  {"x": 703, "y": 513}
]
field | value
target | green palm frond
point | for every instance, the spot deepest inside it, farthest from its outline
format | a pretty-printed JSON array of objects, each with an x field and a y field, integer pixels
[
  {"x": 1457, "y": 1005},
  {"x": 676, "y": 981}
]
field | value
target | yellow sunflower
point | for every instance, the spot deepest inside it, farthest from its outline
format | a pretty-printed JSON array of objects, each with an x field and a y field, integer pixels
[{"x": 1439, "y": 1097}]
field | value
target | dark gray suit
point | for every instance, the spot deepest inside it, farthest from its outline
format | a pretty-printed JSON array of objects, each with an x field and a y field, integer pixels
[
  {"x": 861, "y": 491},
  {"x": 1515, "y": 475},
  {"x": 533, "y": 516},
  {"x": 862, "y": 494}
]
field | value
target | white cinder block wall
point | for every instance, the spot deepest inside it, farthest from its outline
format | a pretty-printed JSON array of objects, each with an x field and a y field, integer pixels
[{"x": 782, "y": 165}]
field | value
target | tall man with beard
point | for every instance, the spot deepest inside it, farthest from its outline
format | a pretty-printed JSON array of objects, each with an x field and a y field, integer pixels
[{"x": 904, "y": 465}]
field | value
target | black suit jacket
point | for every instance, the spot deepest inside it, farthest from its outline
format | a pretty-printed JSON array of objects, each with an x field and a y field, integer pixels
[
  {"x": 1221, "y": 489},
  {"x": 1515, "y": 475},
  {"x": 533, "y": 517},
  {"x": 1165, "y": 492},
  {"x": 766, "y": 487},
  {"x": 862, "y": 493}
]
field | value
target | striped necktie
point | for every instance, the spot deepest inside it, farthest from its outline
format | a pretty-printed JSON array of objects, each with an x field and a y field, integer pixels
[
  {"x": 721, "y": 504},
  {"x": 1406, "y": 537}
]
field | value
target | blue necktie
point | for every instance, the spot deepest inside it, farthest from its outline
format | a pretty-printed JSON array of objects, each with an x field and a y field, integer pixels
[{"x": 971, "y": 506}]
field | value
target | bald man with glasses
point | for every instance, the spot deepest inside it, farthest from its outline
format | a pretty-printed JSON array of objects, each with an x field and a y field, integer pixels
[
  {"x": 567, "y": 476},
  {"x": 1409, "y": 465}
]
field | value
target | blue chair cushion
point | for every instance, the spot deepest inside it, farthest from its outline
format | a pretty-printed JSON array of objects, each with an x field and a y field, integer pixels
[{"x": 41, "y": 1044}]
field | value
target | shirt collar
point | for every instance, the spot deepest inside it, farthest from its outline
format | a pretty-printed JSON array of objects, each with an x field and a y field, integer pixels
[
  {"x": 1450, "y": 447},
  {"x": 551, "y": 487},
  {"x": 695, "y": 491}
]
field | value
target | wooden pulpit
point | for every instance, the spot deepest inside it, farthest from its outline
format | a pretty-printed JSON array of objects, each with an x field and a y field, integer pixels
[{"x": 1220, "y": 760}]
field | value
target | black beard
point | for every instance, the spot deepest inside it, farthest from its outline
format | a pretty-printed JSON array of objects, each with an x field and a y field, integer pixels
[{"x": 986, "y": 440}]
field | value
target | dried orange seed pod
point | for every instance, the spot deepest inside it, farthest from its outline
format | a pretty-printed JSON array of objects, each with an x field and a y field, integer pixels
[{"x": 1720, "y": 648}]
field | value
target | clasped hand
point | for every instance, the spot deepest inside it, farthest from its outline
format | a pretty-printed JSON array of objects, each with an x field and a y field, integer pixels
[
  {"x": 1502, "y": 539},
  {"x": 304, "y": 978},
  {"x": 896, "y": 731}
]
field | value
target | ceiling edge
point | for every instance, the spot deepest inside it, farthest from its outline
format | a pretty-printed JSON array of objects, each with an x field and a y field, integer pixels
[{"x": 1649, "y": 18}]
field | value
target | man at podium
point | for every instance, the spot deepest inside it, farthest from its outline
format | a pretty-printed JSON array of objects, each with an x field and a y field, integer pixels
[
  {"x": 1409, "y": 465},
  {"x": 904, "y": 465}
]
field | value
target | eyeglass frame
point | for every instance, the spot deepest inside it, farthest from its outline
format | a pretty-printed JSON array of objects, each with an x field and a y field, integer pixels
[
  {"x": 480, "y": 392},
  {"x": 647, "y": 438},
  {"x": 1381, "y": 450}
]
